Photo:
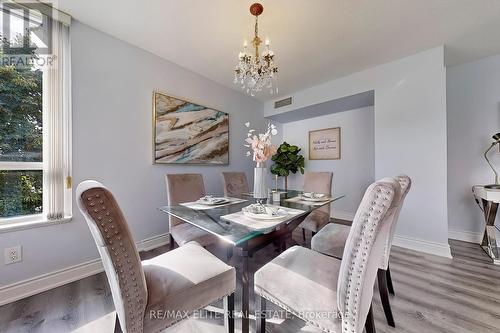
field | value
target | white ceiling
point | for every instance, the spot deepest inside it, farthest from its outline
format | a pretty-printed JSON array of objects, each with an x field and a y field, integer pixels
[{"x": 314, "y": 40}]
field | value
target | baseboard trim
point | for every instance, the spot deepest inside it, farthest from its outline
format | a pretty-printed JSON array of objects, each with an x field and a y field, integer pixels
[
  {"x": 153, "y": 242},
  {"x": 466, "y": 236},
  {"x": 342, "y": 215},
  {"x": 44, "y": 282},
  {"x": 438, "y": 249}
]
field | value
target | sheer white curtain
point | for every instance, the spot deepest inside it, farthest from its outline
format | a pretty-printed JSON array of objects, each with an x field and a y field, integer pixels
[{"x": 57, "y": 125}]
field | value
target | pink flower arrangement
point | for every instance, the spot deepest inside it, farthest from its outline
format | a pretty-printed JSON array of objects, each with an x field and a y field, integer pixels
[{"x": 261, "y": 144}]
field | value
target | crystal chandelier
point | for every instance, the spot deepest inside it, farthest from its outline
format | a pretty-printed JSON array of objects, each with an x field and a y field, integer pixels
[{"x": 256, "y": 71}]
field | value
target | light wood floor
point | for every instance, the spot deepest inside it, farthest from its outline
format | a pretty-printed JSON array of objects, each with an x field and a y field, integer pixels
[{"x": 433, "y": 294}]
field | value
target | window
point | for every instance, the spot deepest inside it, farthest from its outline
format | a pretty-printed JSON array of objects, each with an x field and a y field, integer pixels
[{"x": 35, "y": 124}]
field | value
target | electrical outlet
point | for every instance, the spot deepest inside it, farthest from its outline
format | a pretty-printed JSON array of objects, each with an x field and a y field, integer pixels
[{"x": 13, "y": 255}]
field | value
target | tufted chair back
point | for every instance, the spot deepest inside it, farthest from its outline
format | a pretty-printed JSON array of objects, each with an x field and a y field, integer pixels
[
  {"x": 319, "y": 182},
  {"x": 363, "y": 252},
  {"x": 405, "y": 184},
  {"x": 235, "y": 183},
  {"x": 118, "y": 253},
  {"x": 183, "y": 187}
]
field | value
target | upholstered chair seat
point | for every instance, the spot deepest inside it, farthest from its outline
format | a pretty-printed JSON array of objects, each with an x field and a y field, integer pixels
[
  {"x": 235, "y": 183},
  {"x": 301, "y": 280},
  {"x": 318, "y": 182},
  {"x": 332, "y": 238},
  {"x": 184, "y": 280},
  {"x": 182, "y": 188},
  {"x": 184, "y": 233},
  {"x": 331, "y": 294},
  {"x": 175, "y": 283}
]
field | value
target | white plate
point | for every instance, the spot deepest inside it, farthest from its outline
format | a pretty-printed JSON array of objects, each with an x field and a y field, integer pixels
[
  {"x": 265, "y": 216},
  {"x": 252, "y": 211},
  {"x": 306, "y": 198},
  {"x": 215, "y": 202}
]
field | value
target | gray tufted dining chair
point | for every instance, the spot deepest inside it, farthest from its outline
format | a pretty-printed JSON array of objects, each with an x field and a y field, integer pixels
[
  {"x": 319, "y": 182},
  {"x": 178, "y": 282},
  {"x": 186, "y": 187},
  {"x": 332, "y": 238},
  {"x": 331, "y": 294},
  {"x": 235, "y": 183}
]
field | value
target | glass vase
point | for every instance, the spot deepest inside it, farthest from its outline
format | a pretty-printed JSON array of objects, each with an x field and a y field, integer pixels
[{"x": 259, "y": 182}]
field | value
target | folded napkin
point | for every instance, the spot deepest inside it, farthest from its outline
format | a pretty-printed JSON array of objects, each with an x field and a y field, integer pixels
[
  {"x": 199, "y": 206},
  {"x": 262, "y": 225},
  {"x": 307, "y": 202}
]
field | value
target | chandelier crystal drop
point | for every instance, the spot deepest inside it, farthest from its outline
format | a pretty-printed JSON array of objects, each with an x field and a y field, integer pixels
[{"x": 256, "y": 71}]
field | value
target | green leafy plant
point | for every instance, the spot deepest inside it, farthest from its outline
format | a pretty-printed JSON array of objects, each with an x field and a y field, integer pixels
[
  {"x": 287, "y": 160},
  {"x": 20, "y": 128}
]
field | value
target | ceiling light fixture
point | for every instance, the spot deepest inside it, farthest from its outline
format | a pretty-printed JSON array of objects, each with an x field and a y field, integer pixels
[{"x": 257, "y": 71}]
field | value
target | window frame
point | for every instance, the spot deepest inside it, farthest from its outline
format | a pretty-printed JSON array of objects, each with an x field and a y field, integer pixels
[
  {"x": 20, "y": 222},
  {"x": 20, "y": 166}
]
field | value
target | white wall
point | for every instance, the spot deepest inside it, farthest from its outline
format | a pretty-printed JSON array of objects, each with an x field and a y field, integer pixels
[
  {"x": 112, "y": 116},
  {"x": 355, "y": 171},
  {"x": 473, "y": 95},
  {"x": 410, "y": 137}
]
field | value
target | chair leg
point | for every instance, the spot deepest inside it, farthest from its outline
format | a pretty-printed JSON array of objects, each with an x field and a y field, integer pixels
[
  {"x": 118, "y": 328},
  {"x": 260, "y": 315},
  {"x": 229, "y": 253},
  {"x": 304, "y": 234},
  {"x": 229, "y": 313},
  {"x": 389, "y": 281},
  {"x": 278, "y": 245},
  {"x": 384, "y": 296},
  {"x": 172, "y": 242},
  {"x": 370, "y": 322}
]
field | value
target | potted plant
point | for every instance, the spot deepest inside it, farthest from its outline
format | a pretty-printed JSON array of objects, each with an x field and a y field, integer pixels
[{"x": 287, "y": 159}]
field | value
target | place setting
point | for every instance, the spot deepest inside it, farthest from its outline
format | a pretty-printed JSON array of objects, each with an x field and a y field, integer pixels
[
  {"x": 311, "y": 198},
  {"x": 211, "y": 202},
  {"x": 262, "y": 216}
]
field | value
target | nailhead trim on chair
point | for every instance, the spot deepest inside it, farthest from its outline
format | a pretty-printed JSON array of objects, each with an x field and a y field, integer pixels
[
  {"x": 405, "y": 184},
  {"x": 362, "y": 248},
  {"x": 382, "y": 196},
  {"x": 103, "y": 209}
]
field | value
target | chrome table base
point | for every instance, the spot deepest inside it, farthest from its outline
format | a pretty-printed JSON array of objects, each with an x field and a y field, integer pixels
[{"x": 489, "y": 242}]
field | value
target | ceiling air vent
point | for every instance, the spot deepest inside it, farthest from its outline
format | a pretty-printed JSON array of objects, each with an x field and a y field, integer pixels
[{"x": 283, "y": 102}]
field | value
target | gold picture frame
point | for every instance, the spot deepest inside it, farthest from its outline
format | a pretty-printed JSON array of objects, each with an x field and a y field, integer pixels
[
  {"x": 188, "y": 133},
  {"x": 325, "y": 144}
]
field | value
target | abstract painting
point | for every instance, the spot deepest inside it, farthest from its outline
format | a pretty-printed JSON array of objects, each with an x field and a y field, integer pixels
[
  {"x": 324, "y": 144},
  {"x": 188, "y": 133}
]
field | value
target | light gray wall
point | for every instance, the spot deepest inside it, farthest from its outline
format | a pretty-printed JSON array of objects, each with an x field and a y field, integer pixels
[
  {"x": 112, "y": 117},
  {"x": 473, "y": 116},
  {"x": 355, "y": 171},
  {"x": 410, "y": 137}
]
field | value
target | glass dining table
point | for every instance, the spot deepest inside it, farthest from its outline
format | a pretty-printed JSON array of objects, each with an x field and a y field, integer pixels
[{"x": 244, "y": 239}]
